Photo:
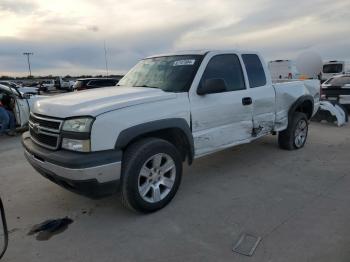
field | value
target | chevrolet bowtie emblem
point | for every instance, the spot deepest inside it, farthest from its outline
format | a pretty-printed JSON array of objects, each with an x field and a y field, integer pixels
[{"x": 36, "y": 128}]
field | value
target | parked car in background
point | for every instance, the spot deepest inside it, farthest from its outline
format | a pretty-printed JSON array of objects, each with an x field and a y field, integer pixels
[
  {"x": 337, "y": 88},
  {"x": 283, "y": 69},
  {"x": 31, "y": 84},
  {"x": 47, "y": 85},
  {"x": 167, "y": 110},
  {"x": 90, "y": 83},
  {"x": 334, "y": 67},
  {"x": 22, "y": 89},
  {"x": 64, "y": 84}
]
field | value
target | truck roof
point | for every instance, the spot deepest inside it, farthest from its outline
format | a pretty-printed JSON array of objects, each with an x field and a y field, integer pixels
[{"x": 199, "y": 52}]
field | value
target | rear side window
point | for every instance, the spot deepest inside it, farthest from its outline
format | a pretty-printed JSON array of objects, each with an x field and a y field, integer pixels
[
  {"x": 226, "y": 67},
  {"x": 255, "y": 70}
]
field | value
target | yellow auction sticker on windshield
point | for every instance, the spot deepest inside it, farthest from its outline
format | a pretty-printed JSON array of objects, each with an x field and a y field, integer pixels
[{"x": 184, "y": 62}]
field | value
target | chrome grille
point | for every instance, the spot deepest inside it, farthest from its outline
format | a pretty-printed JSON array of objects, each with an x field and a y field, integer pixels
[{"x": 45, "y": 131}]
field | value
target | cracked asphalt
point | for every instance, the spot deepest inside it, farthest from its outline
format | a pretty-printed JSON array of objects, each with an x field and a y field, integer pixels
[{"x": 297, "y": 201}]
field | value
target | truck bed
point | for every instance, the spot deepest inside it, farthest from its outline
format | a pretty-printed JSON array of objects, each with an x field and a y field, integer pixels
[{"x": 287, "y": 92}]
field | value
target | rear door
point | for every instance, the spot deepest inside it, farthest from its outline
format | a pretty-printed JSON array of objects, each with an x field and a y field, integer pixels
[
  {"x": 262, "y": 94},
  {"x": 220, "y": 120}
]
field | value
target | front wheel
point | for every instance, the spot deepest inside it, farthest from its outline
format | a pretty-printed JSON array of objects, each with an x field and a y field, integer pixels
[
  {"x": 151, "y": 174},
  {"x": 294, "y": 137}
]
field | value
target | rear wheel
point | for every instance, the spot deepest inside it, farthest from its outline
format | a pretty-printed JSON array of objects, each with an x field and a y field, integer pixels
[
  {"x": 151, "y": 174},
  {"x": 294, "y": 137}
]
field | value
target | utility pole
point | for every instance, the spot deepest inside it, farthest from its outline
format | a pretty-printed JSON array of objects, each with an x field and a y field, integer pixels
[
  {"x": 106, "y": 56},
  {"x": 28, "y": 54}
]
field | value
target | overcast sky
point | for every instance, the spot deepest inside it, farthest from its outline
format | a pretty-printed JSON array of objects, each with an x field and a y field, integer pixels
[{"x": 66, "y": 36}]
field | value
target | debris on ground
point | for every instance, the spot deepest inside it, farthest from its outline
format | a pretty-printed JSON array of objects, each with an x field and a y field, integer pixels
[
  {"x": 332, "y": 112},
  {"x": 50, "y": 227}
]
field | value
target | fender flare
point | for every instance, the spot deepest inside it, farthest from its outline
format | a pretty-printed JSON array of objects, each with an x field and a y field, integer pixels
[
  {"x": 127, "y": 135},
  {"x": 297, "y": 103}
]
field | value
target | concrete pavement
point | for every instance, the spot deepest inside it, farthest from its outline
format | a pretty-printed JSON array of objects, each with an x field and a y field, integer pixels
[{"x": 298, "y": 202}]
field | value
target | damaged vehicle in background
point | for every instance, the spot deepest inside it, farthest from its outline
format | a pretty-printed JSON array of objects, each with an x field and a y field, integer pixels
[
  {"x": 24, "y": 90},
  {"x": 20, "y": 104},
  {"x": 168, "y": 109}
]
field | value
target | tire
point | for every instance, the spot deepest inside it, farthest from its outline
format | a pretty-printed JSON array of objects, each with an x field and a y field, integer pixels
[
  {"x": 154, "y": 187},
  {"x": 294, "y": 137}
]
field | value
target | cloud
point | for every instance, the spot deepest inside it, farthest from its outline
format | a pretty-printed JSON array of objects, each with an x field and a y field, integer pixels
[
  {"x": 18, "y": 6},
  {"x": 93, "y": 28},
  {"x": 67, "y": 37}
]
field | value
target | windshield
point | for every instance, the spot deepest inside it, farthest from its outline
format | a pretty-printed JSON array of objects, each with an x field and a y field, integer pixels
[
  {"x": 332, "y": 68},
  {"x": 169, "y": 73}
]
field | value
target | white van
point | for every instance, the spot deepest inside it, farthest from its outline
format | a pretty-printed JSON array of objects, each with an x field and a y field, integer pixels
[
  {"x": 283, "y": 69},
  {"x": 334, "y": 67}
]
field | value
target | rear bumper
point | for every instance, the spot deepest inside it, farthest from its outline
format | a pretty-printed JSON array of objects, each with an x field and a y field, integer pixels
[{"x": 94, "y": 174}]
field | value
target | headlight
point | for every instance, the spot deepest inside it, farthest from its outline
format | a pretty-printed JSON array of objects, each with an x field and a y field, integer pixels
[
  {"x": 76, "y": 145},
  {"x": 82, "y": 124}
]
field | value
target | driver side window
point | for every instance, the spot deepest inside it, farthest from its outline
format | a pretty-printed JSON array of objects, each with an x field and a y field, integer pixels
[{"x": 228, "y": 68}]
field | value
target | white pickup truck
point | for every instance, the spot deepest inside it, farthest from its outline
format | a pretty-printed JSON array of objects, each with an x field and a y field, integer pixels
[{"x": 166, "y": 110}]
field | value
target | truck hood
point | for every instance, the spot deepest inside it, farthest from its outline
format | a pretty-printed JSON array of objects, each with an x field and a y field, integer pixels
[{"x": 97, "y": 101}]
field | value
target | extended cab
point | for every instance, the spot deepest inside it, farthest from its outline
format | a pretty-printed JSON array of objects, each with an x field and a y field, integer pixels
[{"x": 166, "y": 110}]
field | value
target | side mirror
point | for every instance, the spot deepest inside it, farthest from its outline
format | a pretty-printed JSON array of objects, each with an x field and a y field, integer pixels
[
  {"x": 212, "y": 86},
  {"x": 3, "y": 231}
]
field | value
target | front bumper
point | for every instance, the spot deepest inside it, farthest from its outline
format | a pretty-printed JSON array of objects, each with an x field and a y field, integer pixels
[{"x": 94, "y": 174}]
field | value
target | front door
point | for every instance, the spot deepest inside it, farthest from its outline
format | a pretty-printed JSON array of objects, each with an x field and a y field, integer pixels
[
  {"x": 221, "y": 120},
  {"x": 23, "y": 110}
]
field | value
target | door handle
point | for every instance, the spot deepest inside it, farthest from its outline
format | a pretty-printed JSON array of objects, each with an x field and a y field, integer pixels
[{"x": 247, "y": 101}]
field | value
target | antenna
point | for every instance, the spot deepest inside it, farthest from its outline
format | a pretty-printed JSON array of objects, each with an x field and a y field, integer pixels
[
  {"x": 104, "y": 44},
  {"x": 28, "y": 60}
]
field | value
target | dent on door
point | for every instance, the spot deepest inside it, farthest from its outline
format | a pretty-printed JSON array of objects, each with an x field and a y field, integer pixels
[
  {"x": 263, "y": 110},
  {"x": 220, "y": 121}
]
